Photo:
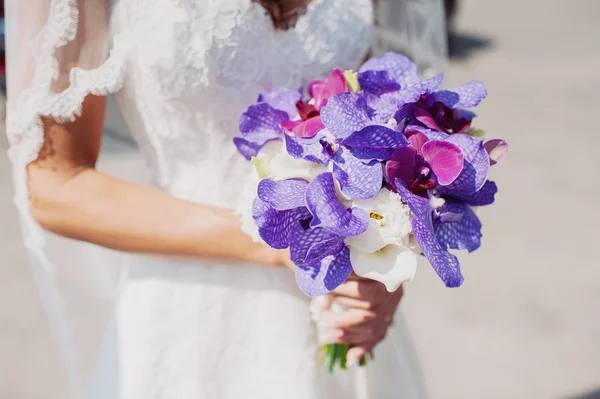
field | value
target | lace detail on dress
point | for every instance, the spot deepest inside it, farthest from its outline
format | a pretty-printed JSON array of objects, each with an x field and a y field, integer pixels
[{"x": 218, "y": 56}]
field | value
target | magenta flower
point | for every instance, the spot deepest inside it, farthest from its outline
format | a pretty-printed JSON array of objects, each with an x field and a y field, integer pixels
[
  {"x": 309, "y": 122},
  {"x": 425, "y": 164}
]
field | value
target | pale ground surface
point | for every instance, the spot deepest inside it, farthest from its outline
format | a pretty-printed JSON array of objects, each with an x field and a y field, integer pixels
[{"x": 526, "y": 324}]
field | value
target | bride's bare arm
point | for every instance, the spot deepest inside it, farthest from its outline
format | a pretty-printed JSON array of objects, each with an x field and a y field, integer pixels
[{"x": 71, "y": 198}]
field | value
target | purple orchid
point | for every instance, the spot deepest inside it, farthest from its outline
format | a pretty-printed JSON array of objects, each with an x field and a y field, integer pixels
[
  {"x": 444, "y": 110},
  {"x": 278, "y": 111},
  {"x": 262, "y": 121},
  {"x": 393, "y": 88},
  {"x": 391, "y": 81},
  {"x": 309, "y": 219},
  {"x": 354, "y": 142},
  {"x": 278, "y": 208},
  {"x": 440, "y": 185},
  {"x": 449, "y": 224},
  {"x": 319, "y": 251}
]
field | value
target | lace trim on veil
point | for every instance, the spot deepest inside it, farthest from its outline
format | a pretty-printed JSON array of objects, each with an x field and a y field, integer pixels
[{"x": 26, "y": 136}]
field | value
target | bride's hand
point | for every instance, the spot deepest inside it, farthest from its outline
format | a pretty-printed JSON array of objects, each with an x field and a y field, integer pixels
[{"x": 369, "y": 311}]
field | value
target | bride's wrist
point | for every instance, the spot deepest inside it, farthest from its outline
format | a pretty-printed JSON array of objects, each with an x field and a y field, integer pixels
[{"x": 281, "y": 258}]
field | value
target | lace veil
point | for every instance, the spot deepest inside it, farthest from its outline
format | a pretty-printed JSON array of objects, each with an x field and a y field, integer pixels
[{"x": 60, "y": 51}]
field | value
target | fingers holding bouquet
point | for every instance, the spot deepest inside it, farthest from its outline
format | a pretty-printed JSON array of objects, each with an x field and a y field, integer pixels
[{"x": 357, "y": 314}]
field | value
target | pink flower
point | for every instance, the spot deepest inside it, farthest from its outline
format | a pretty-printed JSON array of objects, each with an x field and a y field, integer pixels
[{"x": 309, "y": 113}]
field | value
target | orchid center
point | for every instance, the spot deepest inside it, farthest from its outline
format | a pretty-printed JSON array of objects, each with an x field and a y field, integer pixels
[
  {"x": 375, "y": 216},
  {"x": 443, "y": 117},
  {"x": 422, "y": 181},
  {"x": 306, "y": 111}
]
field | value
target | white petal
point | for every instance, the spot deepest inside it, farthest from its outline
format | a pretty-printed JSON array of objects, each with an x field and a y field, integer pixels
[
  {"x": 245, "y": 205},
  {"x": 390, "y": 226},
  {"x": 368, "y": 242},
  {"x": 284, "y": 166},
  {"x": 392, "y": 265}
]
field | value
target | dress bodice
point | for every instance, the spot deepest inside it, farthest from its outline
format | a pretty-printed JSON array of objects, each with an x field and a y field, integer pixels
[{"x": 203, "y": 62}]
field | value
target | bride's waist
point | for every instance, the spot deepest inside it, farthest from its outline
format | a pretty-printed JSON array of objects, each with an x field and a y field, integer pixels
[
  {"x": 207, "y": 272},
  {"x": 204, "y": 184}
]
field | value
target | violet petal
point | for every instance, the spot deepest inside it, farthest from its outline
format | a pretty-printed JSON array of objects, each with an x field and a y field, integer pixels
[
  {"x": 368, "y": 154},
  {"x": 428, "y": 86},
  {"x": 309, "y": 149},
  {"x": 328, "y": 212},
  {"x": 476, "y": 166},
  {"x": 445, "y": 264},
  {"x": 464, "y": 233},
  {"x": 376, "y": 136},
  {"x": 261, "y": 123},
  {"x": 345, "y": 114},
  {"x": 274, "y": 226},
  {"x": 400, "y": 67},
  {"x": 377, "y": 82},
  {"x": 281, "y": 99},
  {"x": 247, "y": 148},
  {"x": 484, "y": 196},
  {"x": 357, "y": 179},
  {"x": 284, "y": 194},
  {"x": 325, "y": 276},
  {"x": 402, "y": 97},
  {"x": 383, "y": 110},
  {"x": 467, "y": 95},
  {"x": 308, "y": 247}
]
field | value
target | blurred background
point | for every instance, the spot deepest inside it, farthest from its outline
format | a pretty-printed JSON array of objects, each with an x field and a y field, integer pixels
[{"x": 526, "y": 323}]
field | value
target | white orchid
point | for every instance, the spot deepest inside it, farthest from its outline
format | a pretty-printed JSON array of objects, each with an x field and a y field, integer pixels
[
  {"x": 384, "y": 252},
  {"x": 275, "y": 163}
]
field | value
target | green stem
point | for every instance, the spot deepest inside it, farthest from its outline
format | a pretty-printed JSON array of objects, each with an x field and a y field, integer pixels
[
  {"x": 343, "y": 355},
  {"x": 363, "y": 361},
  {"x": 332, "y": 349},
  {"x": 338, "y": 353}
]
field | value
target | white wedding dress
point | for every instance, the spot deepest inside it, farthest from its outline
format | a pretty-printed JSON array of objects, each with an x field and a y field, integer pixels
[{"x": 183, "y": 71}]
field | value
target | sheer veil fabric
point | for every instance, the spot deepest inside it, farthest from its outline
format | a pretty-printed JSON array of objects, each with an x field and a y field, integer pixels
[{"x": 60, "y": 51}]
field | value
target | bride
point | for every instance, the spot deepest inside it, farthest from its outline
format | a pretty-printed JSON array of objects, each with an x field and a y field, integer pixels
[{"x": 200, "y": 311}]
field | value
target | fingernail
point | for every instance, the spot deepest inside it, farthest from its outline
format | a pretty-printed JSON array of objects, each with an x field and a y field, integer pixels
[
  {"x": 351, "y": 362},
  {"x": 316, "y": 305}
]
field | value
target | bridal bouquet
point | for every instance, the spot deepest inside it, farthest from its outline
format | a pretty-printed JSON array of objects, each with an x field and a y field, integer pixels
[{"x": 370, "y": 170}]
